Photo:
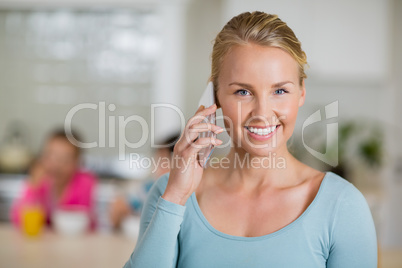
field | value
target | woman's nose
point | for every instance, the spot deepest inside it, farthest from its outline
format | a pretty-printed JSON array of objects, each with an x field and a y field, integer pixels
[{"x": 263, "y": 109}]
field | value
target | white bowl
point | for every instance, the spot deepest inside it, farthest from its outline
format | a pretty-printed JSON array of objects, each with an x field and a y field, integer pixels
[{"x": 71, "y": 221}]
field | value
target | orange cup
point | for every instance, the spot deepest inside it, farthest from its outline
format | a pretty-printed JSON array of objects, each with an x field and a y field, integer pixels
[{"x": 32, "y": 220}]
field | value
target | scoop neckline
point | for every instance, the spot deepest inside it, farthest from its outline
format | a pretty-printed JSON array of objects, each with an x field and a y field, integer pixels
[{"x": 267, "y": 236}]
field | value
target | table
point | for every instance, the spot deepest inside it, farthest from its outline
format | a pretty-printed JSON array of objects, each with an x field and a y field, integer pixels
[
  {"x": 390, "y": 258},
  {"x": 90, "y": 250},
  {"x": 55, "y": 250}
]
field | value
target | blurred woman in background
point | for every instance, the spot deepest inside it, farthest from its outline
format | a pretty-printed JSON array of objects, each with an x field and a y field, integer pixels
[{"x": 55, "y": 181}]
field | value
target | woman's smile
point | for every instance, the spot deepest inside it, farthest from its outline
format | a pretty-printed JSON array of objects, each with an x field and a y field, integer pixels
[{"x": 261, "y": 133}]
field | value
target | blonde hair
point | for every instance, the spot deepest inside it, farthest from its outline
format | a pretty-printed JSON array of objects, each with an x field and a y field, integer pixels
[{"x": 259, "y": 28}]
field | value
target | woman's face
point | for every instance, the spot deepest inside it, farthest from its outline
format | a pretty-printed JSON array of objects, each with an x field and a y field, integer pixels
[
  {"x": 260, "y": 94},
  {"x": 60, "y": 159}
]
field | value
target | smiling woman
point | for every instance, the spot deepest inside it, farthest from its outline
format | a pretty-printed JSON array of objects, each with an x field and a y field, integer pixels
[{"x": 253, "y": 215}]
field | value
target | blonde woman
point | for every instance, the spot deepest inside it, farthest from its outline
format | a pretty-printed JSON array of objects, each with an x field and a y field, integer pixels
[{"x": 242, "y": 212}]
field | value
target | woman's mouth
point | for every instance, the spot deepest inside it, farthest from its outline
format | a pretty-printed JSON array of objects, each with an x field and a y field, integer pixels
[{"x": 261, "y": 133}]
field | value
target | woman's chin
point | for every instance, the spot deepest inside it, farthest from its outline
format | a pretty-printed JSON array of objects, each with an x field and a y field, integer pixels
[{"x": 256, "y": 150}]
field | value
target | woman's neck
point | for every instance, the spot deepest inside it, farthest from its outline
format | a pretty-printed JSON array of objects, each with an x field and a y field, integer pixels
[{"x": 249, "y": 173}]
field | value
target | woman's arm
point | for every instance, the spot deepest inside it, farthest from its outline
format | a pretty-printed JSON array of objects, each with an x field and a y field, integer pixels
[
  {"x": 157, "y": 244},
  {"x": 354, "y": 242}
]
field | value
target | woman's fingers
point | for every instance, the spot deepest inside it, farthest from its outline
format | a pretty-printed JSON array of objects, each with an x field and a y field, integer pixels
[
  {"x": 191, "y": 134},
  {"x": 203, "y": 127},
  {"x": 206, "y": 111},
  {"x": 201, "y": 115},
  {"x": 194, "y": 131},
  {"x": 194, "y": 127},
  {"x": 200, "y": 143}
]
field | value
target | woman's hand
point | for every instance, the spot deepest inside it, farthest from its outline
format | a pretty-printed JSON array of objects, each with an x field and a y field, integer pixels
[{"x": 186, "y": 172}]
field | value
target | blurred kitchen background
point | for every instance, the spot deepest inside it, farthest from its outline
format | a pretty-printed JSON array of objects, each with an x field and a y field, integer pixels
[{"x": 116, "y": 58}]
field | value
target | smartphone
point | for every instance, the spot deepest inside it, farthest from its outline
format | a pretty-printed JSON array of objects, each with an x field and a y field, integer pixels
[{"x": 207, "y": 99}]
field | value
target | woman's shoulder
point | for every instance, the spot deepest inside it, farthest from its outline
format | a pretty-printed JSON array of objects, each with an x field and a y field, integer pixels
[
  {"x": 338, "y": 189},
  {"x": 338, "y": 200},
  {"x": 338, "y": 183},
  {"x": 351, "y": 218}
]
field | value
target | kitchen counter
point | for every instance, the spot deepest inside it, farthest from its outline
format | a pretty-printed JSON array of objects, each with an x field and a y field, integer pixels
[{"x": 54, "y": 250}]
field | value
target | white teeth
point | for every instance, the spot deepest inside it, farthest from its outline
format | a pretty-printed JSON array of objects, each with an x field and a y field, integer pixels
[{"x": 262, "y": 131}]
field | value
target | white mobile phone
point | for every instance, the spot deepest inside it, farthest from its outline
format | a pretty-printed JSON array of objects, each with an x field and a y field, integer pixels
[{"x": 207, "y": 99}]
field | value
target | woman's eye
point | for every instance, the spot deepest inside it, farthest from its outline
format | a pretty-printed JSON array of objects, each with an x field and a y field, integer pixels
[
  {"x": 280, "y": 91},
  {"x": 242, "y": 92}
]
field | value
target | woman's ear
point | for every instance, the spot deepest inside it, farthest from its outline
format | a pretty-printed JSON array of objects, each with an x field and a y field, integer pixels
[{"x": 302, "y": 94}]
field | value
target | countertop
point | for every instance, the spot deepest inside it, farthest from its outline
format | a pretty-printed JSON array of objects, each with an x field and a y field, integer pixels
[{"x": 54, "y": 250}]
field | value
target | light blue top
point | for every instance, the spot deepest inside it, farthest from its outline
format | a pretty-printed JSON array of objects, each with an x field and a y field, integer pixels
[{"x": 335, "y": 231}]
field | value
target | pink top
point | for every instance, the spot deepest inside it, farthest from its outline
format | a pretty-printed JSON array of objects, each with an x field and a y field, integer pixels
[{"x": 79, "y": 192}]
